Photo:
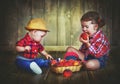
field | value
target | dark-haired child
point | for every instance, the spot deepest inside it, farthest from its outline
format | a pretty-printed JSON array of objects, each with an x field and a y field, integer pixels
[{"x": 95, "y": 49}]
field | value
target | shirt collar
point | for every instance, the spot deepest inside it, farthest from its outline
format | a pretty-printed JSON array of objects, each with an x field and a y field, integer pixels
[
  {"x": 96, "y": 34},
  {"x": 28, "y": 38}
]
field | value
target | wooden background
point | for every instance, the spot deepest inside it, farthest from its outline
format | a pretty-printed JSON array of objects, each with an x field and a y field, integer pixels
[{"x": 62, "y": 18}]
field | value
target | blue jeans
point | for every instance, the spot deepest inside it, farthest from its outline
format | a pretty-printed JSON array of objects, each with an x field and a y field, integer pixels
[{"x": 24, "y": 63}]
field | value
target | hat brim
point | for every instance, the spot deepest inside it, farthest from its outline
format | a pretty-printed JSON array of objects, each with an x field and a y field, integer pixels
[{"x": 36, "y": 29}]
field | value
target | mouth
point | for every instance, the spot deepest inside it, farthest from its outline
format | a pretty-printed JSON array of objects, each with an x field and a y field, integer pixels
[{"x": 86, "y": 32}]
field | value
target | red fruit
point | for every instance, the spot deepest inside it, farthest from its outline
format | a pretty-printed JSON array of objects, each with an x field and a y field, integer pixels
[
  {"x": 59, "y": 64},
  {"x": 84, "y": 36},
  {"x": 71, "y": 61},
  {"x": 53, "y": 62},
  {"x": 66, "y": 63},
  {"x": 67, "y": 73},
  {"x": 76, "y": 63}
]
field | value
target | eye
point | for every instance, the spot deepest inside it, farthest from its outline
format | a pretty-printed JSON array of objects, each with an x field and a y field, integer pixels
[
  {"x": 42, "y": 36},
  {"x": 87, "y": 26},
  {"x": 82, "y": 26}
]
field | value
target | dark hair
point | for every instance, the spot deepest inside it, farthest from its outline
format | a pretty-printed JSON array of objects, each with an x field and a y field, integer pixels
[{"x": 94, "y": 17}]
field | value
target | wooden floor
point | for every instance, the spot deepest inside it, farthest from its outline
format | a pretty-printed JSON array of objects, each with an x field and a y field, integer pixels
[{"x": 9, "y": 73}]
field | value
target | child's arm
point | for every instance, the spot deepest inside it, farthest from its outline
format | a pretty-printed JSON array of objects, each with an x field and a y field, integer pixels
[
  {"x": 22, "y": 49},
  {"x": 46, "y": 54}
]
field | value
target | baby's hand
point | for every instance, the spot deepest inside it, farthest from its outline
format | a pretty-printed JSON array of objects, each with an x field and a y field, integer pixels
[
  {"x": 49, "y": 57},
  {"x": 28, "y": 48}
]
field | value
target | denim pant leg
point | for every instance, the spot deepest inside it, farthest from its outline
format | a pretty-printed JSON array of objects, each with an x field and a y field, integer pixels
[
  {"x": 42, "y": 62},
  {"x": 23, "y": 63}
]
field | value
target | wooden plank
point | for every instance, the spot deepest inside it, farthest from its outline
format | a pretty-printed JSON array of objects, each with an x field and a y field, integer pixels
[
  {"x": 24, "y": 15},
  {"x": 75, "y": 22},
  {"x": 51, "y": 21},
  {"x": 77, "y": 77},
  {"x": 80, "y": 77},
  {"x": 38, "y": 8},
  {"x": 90, "y": 5},
  {"x": 63, "y": 21},
  {"x": 58, "y": 48}
]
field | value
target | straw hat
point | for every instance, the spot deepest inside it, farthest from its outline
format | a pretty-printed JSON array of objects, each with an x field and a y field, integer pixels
[{"x": 36, "y": 24}]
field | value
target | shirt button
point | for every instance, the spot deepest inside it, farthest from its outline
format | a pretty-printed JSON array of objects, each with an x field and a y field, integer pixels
[{"x": 35, "y": 50}]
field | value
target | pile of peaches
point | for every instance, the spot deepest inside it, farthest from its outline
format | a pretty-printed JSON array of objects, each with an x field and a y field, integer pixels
[{"x": 64, "y": 62}]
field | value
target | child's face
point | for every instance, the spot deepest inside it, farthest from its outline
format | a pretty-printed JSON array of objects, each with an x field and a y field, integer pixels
[
  {"x": 89, "y": 27},
  {"x": 38, "y": 35}
]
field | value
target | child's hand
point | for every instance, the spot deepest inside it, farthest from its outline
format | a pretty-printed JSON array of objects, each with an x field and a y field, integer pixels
[
  {"x": 84, "y": 41},
  {"x": 84, "y": 37},
  {"x": 49, "y": 56},
  {"x": 27, "y": 48}
]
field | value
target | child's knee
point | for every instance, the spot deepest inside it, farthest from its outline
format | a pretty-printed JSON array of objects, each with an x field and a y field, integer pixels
[
  {"x": 69, "y": 49},
  {"x": 92, "y": 65}
]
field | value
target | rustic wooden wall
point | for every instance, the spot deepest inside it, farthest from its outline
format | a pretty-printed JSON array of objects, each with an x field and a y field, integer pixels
[{"x": 62, "y": 18}]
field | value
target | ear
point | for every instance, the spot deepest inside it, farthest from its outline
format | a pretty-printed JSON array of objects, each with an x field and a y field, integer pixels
[{"x": 33, "y": 31}]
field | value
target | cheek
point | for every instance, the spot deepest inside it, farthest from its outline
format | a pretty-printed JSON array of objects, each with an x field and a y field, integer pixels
[{"x": 37, "y": 38}]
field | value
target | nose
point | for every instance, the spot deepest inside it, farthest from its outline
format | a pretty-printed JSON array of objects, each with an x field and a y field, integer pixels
[{"x": 83, "y": 29}]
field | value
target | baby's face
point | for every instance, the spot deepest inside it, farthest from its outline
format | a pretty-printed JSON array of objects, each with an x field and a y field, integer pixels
[{"x": 38, "y": 35}]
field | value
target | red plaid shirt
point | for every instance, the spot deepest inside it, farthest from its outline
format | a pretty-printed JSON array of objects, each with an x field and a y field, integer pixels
[
  {"x": 35, "y": 47},
  {"x": 100, "y": 45}
]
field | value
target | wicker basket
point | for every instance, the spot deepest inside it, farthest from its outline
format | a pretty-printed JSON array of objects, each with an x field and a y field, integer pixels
[{"x": 61, "y": 69}]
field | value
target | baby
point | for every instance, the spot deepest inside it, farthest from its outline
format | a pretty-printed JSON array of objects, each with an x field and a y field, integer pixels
[{"x": 29, "y": 46}]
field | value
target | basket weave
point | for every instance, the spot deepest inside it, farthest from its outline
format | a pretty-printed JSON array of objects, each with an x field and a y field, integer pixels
[{"x": 61, "y": 69}]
